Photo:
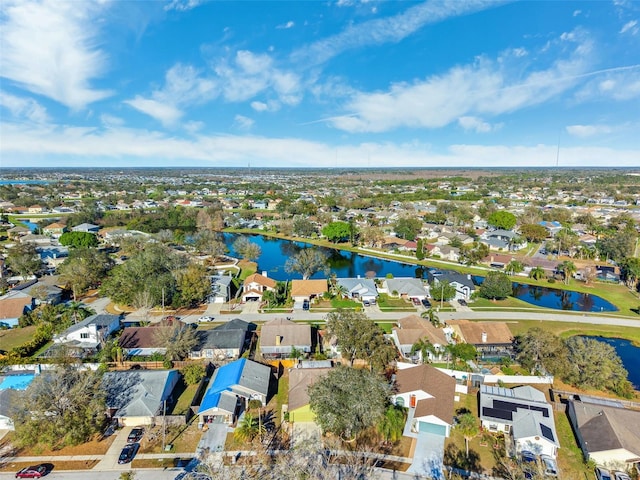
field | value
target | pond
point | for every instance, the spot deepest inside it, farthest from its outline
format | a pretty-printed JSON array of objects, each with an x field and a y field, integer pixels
[
  {"x": 275, "y": 253},
  {"x": 628, "y": 353}
]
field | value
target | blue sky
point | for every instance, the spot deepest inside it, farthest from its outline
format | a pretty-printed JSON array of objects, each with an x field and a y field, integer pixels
[{"x": 341, "y": 83}]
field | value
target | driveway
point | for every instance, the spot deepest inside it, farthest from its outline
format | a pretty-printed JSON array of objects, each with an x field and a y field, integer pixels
[
  {"x": 110, "y": 459},
  {"x": 213, "y": 440},
  {"x": 428, "y": 454},
  {"x": 250, "y": 308}
]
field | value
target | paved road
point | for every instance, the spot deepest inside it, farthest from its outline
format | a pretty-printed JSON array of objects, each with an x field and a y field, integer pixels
[{"x": 155, "y": 474}]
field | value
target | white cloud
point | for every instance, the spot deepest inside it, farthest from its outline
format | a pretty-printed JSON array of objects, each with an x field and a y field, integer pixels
[
  {"x": 477, "y": 124},
  {"x": 259, "y": 106},
  {"x": 584, "y": 131},
  {"x": 50, "y": 48},
  {"x": 577, "y": 12},
  {"x": 483, "y": 88},
  {"x": 385, "y": 30},
  {"x": 183, "y": 87},
  {"x": 631, "y": 27},
  {"x": 621, "y": 84},
  {"x": 183, "y": 5},
  {"x": 165, "y": 113},
  {"x": 122, "y": 146},
  {"x": 243, "y": 123},
  {"x": 193, "y": 126},
  {"x": 26, "y": 108},
  {"x": 111, "y": 120},
  {"x": 284, "y": 26}
]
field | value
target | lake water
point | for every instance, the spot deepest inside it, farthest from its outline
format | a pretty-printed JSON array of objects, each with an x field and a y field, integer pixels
[
  {"x": 629, "y": 354},
  {"x": 275, "y": 253}
]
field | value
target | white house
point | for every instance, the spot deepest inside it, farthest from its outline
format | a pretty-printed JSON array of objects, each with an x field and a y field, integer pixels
[{"x": 89, "y": 333}]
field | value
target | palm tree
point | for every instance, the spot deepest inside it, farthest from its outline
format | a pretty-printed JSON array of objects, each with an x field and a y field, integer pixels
[
  {"x": 424, "y": 347},
  {"x": 468, "y": 426},
  {"x": 567, "y": 268},
  {"x": 77, "y": 311},
  {"x": 537, "y": 273},
  {"x": 432, "y": 316},
  {"x": 513, "y": 267},
  {"x": 392, "y": 424},
  {"x": 248, "y": 428}
]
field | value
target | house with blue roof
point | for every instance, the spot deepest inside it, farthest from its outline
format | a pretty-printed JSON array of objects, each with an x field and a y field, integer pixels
[{"x": 230, "y": 389}]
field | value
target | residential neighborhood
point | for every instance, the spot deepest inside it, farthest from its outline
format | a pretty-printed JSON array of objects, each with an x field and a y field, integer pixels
[{"x": 269, "y": 320}]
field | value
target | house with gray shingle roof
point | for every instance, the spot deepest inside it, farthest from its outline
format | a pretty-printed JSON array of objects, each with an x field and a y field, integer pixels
[
  {"x": 224, "y": 341},
  {"x": 406, "y": 287},
  {"x": 137, "y": 397},
  {"x": 90, "y": 332},
  {"x": 280, "y": 336},
  {"x": 358, "y": 288}
]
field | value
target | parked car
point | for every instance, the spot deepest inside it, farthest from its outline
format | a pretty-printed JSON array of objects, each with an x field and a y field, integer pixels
[
  {"x": 305, "y": 304},
  {"x": 128, "y": 452},
  {"x": 206, "y": 318},
  {"x": 462, "y": 302},
  {"x": 550, "y": 466},
  {"x": 603, "y": 474},
  {"x": 621, "y": 476},
  {"x": 528, "y": 457},
  {"x": 135, "y": 435},
  {"x": 366, "y": 303},
  {"x": 416, "y": 301},
  {"x": 35, "y": 471},
  {"x": 426, "y": 303}
]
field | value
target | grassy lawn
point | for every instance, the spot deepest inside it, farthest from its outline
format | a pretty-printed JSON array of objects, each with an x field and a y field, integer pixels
[
  {"x": 568, "y": 329},
  {"x": 385, "y": 300},
  {"x": 482, "y": 454},
  {"x": 510, "y": 303},
  {"x": 386, "y": 326},
  {"x": 187, "y": 393},
  {"x": 280, "y": 398},
  {"x": 15, "y": 337},
  {"x": 570, "y": 460},
  {"x": 247, "y": 268},
  {"x": 344, "y": 303},
  {"x": 184, "y": 438},
  {"x": 97, "y": 446}
]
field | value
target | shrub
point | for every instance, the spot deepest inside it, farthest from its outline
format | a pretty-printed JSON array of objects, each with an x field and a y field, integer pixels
[{"x": 193, "y": 373}]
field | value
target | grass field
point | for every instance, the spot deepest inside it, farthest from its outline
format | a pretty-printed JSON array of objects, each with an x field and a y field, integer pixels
[
  {"x": 15, "y": 337},
  {"x": 568, "y": 329}
]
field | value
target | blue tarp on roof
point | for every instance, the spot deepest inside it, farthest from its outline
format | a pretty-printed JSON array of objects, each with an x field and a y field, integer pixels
[{"x": 224, "y": 378}]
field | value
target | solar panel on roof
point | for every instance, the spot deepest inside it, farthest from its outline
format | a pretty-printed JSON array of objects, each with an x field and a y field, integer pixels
[
  {"x": 547, "y": 432},
  {"x": 543, "y": 410},
  {"x": 510, "y": 406},
  {"x": 496, "y": 413}
]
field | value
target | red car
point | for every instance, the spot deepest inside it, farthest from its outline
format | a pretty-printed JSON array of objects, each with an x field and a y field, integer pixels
[{"x": 36, "y": 471}]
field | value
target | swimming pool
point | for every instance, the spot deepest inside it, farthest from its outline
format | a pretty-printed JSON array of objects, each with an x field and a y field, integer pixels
[{"x": 17, "y": 382}]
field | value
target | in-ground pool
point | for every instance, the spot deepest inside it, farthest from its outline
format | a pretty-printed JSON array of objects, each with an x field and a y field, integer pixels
[{"x": 17, "y": 382}]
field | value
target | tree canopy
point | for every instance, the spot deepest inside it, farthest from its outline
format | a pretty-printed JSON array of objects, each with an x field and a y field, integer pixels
[
  {"x": 359, "y": 337},
  {"x": 307, "y": 262},
  {"x": 78, "y": 239},
  {"x": 408, "y": 227},
  {"x": 496, "y": 285},
  {"x": 441, "y": 290},
  {"x": 61, "y": 407},
  {"x": 533, "y": 232},
  {"x": 247, "y": 249},
  {"x": 337, "y": 231},
  {"x": 502, "y": 219},
  {"x": 23, "y": 259},
  {"x": 348, "y": 400},
  {"x": 84, "y": 268}
]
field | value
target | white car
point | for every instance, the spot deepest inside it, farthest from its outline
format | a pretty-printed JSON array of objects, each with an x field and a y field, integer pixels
[
  {"x": 550, "y": 466},
  {"x": 603, "y": 474},
  {"x": 205, "y": 318}
]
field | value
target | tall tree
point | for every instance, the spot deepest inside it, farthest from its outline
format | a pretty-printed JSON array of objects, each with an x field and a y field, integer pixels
[
  {"x": 337, "y": 231},
  {"x": 442, "y": 291},
  {"x": 425, "y": 348},
  {"x": 502, "y": 219},
  {"x": 359, "y": 337},
  {"x": 595, "y": 364},
  {"x": 468, "y": 426},
  {"x": 631, "y": 272},
  {"x": 78, "y": 239},
  {"x": 347, "y": 401},
  {"x": 513, "y": 267},
  {"x": 541, "y": 349},
  {"x": 193, "y": 286},
  {"x": 496, "y": 285},
  {"x": 307, "y": 262},
  {"x": 178, "y": 338},
  {"x": 537, "y": 273},
  {"x": 61, "y": 407},
  {"x": 567, "y": 268},
  {"x": 247, "y": 249},
  {"x": 303, "y": 227},
  {"x": 533, "y": 232},
  {"x": 408, "y": 227},
  {"x": 392, "y": 424},
  {"x": 85, "y": 268},
  {"x": 23, "y": 259}
]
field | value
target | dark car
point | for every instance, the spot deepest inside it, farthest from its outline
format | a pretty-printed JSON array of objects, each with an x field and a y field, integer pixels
[
  {"x": 462, "y": 302},
  {"x": 135, "y": 435},
  {"x": 305, "y": 305},
  {"x": 36, "y": 471},
  {"x": 128, "y": 452},
  {"x": 426, "y": 303}
]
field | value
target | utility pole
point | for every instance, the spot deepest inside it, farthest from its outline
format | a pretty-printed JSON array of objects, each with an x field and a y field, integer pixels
[{"x": 164, "y": 422}]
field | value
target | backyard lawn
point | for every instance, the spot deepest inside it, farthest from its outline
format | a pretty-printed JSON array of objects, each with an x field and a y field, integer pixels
[
  {"x": 568, "y": 329},
  {"x": 14, "y": 337}
]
